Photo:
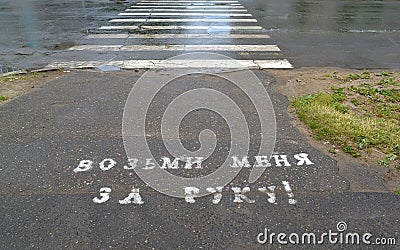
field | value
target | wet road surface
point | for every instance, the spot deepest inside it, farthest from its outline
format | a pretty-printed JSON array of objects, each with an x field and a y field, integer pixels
[
  {"x": 158, "y": 34},
  {"x": 311, "y": 33},
  {"x": 49, "y": 202}
]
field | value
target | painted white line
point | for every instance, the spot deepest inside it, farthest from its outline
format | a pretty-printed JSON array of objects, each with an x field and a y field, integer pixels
[
  {"x": 178, "y": 36},
  {"x": 162, "y": 64},
  {"x": 181, "y": 27},
  {"x": 108, "y": 36},
  {"x": 83, "y": 64},
  {"x": 174, "y": 20},
  {"x": 191, "y": 6},
  {"x": 186, "y": 3},
  {"x": 264, "y": 48},
  {"x": 178, "y": 1},
  {"x": 97, "y": 47},
  {"x": 131, "y": 27},
  {"x": 184, "y": 10},
  {"x": 274, "y": 64},
  {"x": 182, "y": 14}
]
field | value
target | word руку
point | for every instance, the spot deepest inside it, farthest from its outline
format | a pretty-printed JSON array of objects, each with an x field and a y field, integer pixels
[{"x": 239, "y": 193}]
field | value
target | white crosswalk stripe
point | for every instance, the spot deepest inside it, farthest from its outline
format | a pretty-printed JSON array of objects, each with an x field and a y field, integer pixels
[
  {"x": 178, "y": 1},
  {"x": 186, "y": 10},
  {"x": 181, "y": 27},
  {"x": 218, "y": 25},
  {"x": 191, "y": 7},
  {"x": 182, "y": 20},
  {"x": 190, "y": 47},
  {"x": 185, "y": 4},
  {"x": 183, "y": 14},
  {"x": 178, "y": 36},
  {"x": 159, "y": 64},
  {"x": 208, "y": 3}
]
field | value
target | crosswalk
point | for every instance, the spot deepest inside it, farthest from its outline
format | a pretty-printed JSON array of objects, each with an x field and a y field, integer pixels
[{"x": 147, "y": 33}]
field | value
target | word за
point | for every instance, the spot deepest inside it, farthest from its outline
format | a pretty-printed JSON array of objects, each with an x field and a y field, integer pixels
[{"x": 240, "y": 196}]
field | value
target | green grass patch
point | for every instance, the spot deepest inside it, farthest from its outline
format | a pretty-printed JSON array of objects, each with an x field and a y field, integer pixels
[
  {"x": 18, "y": 77},
  {"x": 3, "y": 98},
  {"x": 363, "y": 75},
  {"x": 355, "y": 118},
  {"x": 385, "y": 73}
]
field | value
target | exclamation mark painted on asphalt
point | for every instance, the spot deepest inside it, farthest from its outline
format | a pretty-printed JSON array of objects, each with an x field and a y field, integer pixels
[{"x": 289, "y": 191}]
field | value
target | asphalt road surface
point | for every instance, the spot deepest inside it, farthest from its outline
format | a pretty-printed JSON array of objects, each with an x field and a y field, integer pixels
[
  {"x": 350, "y": 34},
  {"x": 68, "y": 167}
]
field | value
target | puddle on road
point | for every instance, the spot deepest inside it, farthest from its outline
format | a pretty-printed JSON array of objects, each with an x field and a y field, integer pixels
[
  {"x": 334, "y": 16},
  {"x": 43, "y": 24},
  {"x": 39, "y": 23}
]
